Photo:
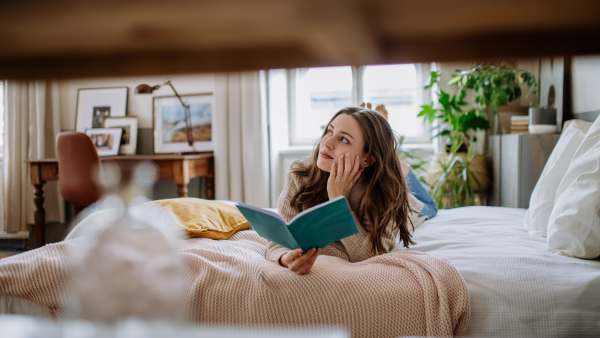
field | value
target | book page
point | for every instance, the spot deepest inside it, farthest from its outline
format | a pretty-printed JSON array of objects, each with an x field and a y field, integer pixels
[
  {"x": 263, "y": 211},
  {"x": 309, "y": 210}
]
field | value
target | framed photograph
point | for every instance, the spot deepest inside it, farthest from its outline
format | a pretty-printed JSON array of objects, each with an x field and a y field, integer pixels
[
  {"x": 129, "y": 124},
  {"x": 106, "y": 140},
  {"x": 552, "y": 73},
  {"x": 169, "y": 125},
  {"x": 94, "y": 104}
]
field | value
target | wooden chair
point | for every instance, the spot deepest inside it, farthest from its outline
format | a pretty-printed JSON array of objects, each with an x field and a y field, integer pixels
[{"x": 78, "y": 163}]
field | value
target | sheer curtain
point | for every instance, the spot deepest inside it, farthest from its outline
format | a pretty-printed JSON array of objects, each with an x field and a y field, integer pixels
[
  {"x": 32, "y": 121},
  {"x": 241, "y": 150}
]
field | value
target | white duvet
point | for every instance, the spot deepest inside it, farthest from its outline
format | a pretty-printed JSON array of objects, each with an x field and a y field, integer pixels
[{"x": 517, "y": 288}]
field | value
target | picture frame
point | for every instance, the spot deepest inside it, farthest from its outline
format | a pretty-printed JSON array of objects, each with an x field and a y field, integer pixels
[
  {"x": 552, "y": 73},
  {"x": 93, "y": 104},
  {"x": 129, "y": 124},
  {"x": 107, "y": 141},
  {"x": 169, "y": 128}
]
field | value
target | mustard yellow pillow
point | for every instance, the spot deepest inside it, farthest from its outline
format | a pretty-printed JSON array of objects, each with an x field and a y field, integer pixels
[{"x": 205, "y": 218}]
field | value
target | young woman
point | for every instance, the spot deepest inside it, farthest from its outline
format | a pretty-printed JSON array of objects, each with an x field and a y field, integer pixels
[{"x": 355, "y": 158}]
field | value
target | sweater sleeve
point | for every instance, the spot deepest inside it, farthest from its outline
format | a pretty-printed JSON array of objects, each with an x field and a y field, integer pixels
[
  {"x": 275, "y": 251},
  {"x": 358, "y": 246}
]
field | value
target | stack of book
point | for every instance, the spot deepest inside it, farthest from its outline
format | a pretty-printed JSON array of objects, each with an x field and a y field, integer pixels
[{"x": 519, "y": 124}]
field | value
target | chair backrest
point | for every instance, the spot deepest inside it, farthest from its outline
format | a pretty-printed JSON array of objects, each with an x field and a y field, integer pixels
[{"x": 78, "y": 162}]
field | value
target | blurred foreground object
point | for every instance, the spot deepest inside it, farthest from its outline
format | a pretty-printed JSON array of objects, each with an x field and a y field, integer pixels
[
  {"x": 68, "y": 38},
  {"x": 26, "y": 327},
  {"x": 127, "y": 267}
]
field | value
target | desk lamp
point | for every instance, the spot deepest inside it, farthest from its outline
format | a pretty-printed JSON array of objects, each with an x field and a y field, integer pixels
[{"x": 146, "y": 89}]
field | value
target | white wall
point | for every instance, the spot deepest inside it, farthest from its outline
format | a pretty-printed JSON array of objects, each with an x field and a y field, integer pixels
[
  {"x": 586, "y": 84},
  {"x": 137, "y": 105}
]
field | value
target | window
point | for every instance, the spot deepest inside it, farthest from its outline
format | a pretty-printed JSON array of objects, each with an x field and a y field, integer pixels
[
  {"x": 1, "y": 118},
  {"x": 316, "y": 94}
]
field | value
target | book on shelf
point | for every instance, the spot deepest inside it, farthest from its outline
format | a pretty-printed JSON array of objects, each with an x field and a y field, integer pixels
[{"x": 315, "y": 227}]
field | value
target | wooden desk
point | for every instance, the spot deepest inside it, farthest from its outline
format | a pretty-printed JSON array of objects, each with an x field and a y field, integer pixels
[{"x": 179, "y": 168}]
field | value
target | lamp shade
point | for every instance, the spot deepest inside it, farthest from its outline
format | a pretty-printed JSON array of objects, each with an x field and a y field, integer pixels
[{"x": 144, "y": 89}]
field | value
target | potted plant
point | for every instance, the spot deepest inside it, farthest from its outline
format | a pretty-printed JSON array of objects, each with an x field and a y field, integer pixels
[
  {"x": 459, "y": 177},
  {"x": 495, "y": 85}
]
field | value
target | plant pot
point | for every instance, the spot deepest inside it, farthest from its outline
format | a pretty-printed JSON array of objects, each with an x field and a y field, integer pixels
[{"x": 478, "y": 167}]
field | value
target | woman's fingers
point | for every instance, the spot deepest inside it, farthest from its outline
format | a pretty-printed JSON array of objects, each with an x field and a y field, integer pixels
[
  {"x": 332, "y": 173},
  {"x": 340, "y": 167},
  {"x": 347, "y": 165},
  {"x": 304, "y": 263}
]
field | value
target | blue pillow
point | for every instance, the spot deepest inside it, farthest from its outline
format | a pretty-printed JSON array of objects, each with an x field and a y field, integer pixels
[{"x": 417, "y": 188}]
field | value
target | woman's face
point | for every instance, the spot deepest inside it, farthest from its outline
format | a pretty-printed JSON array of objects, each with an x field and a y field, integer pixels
[{"x": 344, "y": 135}]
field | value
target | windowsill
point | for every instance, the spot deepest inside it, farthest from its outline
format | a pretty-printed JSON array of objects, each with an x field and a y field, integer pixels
[
  {"x": 301, "y": 150},
  {"x": 16, "y": 235}
]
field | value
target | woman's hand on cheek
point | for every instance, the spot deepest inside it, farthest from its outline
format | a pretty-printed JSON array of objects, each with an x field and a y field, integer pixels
[
  {"x": 299, "y": 263},
  {"x": 343, "y": 175}
]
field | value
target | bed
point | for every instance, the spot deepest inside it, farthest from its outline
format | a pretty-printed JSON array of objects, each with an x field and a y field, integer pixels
[{"x": 516, "y": 287}]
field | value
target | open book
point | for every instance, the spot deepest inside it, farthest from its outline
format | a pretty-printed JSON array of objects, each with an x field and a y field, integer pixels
[{"x": 316, "y": 227}]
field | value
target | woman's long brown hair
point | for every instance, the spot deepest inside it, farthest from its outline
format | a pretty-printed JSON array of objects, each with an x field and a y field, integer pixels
[{"x": 386, "y": 191}]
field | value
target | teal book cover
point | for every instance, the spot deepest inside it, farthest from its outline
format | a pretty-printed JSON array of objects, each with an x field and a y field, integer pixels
[{"x": 316, "y": 227}]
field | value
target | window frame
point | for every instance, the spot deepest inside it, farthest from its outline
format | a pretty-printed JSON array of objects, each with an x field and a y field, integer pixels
[{"x": 423, "y": 95}]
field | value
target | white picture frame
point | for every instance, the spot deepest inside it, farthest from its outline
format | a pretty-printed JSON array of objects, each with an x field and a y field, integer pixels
[
  {"x": 107, "y": 141},
  {"x": 169, "y": 128},
  {"x": 93, "y": 104},
  {"x": 129, "y": 124}
]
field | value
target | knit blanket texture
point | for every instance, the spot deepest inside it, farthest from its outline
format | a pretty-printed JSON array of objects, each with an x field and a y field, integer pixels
[{"x": 230, "y": 283}]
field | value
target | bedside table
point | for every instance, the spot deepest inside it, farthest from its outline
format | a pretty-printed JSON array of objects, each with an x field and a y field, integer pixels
[{"x": 517, "y": 161}]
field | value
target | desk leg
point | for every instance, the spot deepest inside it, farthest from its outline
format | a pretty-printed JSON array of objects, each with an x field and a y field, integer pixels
[
  {"x": 182, "y": 190},
  {"x": 39, "y": 215},
  {"x": 181, "y": 176},
  {"x": 210, "y": 180}
]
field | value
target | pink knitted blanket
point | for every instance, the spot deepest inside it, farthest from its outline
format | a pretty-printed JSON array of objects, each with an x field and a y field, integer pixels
[{"x": 229, "y": 282}]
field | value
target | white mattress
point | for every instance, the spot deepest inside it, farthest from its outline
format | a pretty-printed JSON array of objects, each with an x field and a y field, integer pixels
[{"x": 517, "y": 288}]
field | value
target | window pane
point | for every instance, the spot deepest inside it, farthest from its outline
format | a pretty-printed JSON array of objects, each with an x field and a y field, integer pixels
[
  {"x": 396, "y": 87},
  {"x": 320, "y": 93}
]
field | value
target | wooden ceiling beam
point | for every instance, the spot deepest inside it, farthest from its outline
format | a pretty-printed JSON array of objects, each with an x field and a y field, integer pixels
[{"x": 74, "y": 38}]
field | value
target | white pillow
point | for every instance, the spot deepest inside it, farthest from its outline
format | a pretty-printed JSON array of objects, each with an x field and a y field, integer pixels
[
  {"x": 574, "y": 227},
  {"x": 544, "y": 193}
]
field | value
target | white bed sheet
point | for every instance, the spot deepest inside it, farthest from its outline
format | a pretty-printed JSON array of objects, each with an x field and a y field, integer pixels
[{"x": 516, "y": 287}]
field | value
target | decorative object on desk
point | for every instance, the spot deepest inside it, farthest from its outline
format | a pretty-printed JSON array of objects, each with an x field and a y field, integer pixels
[
  {"x": 106, "y": 140},
  {"x": 93, "y": 104},
  {"x": 129, "y": 124},
  {"x": 552, "y": 72},
  {"x": 519, "y": 124},
  {"x": 542, "y": 120},
  {"x": 169, "y": 124}
]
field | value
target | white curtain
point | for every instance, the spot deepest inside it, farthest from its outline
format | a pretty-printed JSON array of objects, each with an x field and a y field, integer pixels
[
  {"x": 241, "y": 150},
  {"x": 32, "y": 121}
]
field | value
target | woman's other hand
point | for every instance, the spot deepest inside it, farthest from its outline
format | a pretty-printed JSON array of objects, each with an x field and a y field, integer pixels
[
  {"x": 299, "y": 263},
  {"x": 343, "y": 175}
]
